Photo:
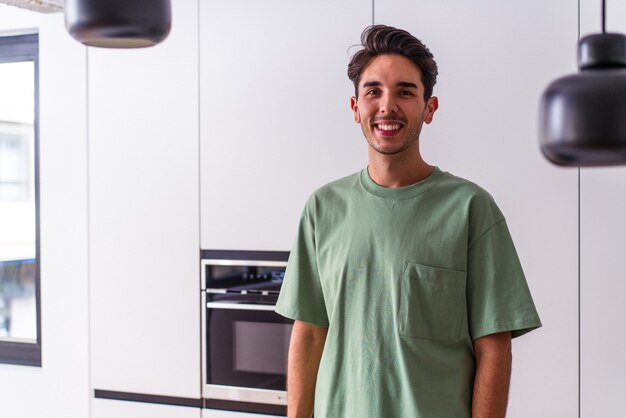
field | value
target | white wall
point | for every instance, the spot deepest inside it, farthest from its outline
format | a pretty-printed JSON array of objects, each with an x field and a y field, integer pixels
[{"x": 60, "y": 388}]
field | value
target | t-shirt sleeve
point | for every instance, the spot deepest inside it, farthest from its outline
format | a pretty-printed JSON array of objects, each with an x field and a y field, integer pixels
[
  {"x": 301, "y": 296},
  {"x": 498, "y": 296}
]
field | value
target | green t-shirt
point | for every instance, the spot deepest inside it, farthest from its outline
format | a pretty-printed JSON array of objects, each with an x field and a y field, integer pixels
[{"x": 404, "y": 279}]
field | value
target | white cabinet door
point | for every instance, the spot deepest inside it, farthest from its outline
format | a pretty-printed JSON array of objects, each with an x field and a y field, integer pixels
[
  {"x": 495, "y": 58},
  {"x": 144, "y": 214},
  {"x": 106, "y": 408},
  {"x": 603, "y": 248},
  {"x": 274, "y": 114},
  {"x": 213, "y": 413}
]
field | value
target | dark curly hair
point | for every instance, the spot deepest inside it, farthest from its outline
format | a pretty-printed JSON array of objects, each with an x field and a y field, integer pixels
[{"x": 380, "y": 40}]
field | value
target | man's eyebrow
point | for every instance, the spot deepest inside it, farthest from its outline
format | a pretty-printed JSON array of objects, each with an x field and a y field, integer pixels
[
  {"x": 371, "y": 84},
  {"x": 407, "y": 84}
]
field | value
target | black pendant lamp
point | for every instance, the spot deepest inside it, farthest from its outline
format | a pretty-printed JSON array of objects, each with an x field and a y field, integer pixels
[
  {"x": 583, "y": 116},
  {"x": 118, "y": 23}
]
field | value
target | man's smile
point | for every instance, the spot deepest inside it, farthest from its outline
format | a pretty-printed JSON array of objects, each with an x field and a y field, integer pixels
[{"x": 388, "y": 127}]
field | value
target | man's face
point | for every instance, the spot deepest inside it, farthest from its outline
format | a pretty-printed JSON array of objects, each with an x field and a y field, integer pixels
[{"x": 391, "y": 107}]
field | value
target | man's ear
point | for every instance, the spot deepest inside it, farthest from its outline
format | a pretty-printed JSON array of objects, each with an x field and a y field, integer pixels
[
  {"x": 431, "y": 107},
  {"x": 355, "y": 108}
]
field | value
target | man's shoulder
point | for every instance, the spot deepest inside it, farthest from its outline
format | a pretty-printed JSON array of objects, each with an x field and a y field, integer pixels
[
  {"x": 471, "y": 198},
  {"x": 342, "y": 186},
  {"x": 334, "y": 195},
  {"x": 454, "y": 185}
]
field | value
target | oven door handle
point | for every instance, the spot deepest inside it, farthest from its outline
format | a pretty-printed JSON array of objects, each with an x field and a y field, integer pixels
[{"x": 240, "y": 306}]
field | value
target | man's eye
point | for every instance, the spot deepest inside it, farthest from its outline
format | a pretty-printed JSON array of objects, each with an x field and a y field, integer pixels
[
  {"x": 406, "y": 93},
  {"x": 372, "y": 92}
]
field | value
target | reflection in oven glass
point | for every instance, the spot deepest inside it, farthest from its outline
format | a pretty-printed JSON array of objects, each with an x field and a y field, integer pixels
[
  {"x": 256, "y": 348},
  {"x": 247, "y": 348}
]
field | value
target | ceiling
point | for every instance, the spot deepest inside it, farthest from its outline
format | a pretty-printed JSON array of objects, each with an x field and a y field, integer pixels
[{"x": 44, "y": 6}]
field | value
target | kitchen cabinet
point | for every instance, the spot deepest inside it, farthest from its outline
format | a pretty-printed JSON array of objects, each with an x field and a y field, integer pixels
[
  {"x": 275, "y": 120},
  {"x": 106, "y": 408},
  {"x": 603, "y": 243},
  {"x": 144, "y": 214},
  {"x": 214, "y": 413},
  {"x": 489, "y": 86}
]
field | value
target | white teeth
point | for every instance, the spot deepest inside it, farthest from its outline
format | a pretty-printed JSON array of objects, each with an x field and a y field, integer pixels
[{"x": 389, "y": 127}]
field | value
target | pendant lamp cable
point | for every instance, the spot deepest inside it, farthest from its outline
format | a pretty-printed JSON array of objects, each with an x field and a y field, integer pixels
[{"x": 603, "y": 16}]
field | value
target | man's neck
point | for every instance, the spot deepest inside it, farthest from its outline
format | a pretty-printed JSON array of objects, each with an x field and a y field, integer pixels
[{"x": 397, "y": 170}]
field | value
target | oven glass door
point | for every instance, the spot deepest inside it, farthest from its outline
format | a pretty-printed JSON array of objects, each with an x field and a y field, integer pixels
[{"x": 247, "y": 346}]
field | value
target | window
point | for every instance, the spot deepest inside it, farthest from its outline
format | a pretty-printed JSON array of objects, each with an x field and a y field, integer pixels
[{"x": 20, "y": 314}]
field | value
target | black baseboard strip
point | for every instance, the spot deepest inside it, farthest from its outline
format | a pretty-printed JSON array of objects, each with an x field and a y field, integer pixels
[
  {"x": 142, "y": 397},
  {"x": 258, "y": 408},
  {"x": 245, "y": 255}
]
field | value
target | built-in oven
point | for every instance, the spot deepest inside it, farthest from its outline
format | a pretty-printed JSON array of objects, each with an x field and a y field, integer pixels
[{"x": 245, "y": 343}]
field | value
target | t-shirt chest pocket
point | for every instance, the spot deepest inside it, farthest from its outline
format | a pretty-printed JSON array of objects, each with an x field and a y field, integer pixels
[{"x": 431, "y": 303}]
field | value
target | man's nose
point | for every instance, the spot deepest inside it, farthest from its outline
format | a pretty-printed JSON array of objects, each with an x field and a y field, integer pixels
[{"x": 388, "y": 104}]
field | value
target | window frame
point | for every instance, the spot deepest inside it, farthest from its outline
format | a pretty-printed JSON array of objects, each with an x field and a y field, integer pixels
[{"x": 18, "y": 48}]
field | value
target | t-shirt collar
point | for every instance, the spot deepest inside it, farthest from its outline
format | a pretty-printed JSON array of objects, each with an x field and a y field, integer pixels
[{"x": 399, "y": 192}]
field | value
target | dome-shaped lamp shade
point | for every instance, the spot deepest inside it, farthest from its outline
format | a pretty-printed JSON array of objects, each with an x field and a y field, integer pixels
[
  {"x": 583, "y": 116},
  {"x": 118, "y": 23}
]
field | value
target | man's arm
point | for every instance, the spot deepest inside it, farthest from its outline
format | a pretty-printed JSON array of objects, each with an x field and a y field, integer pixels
[
  {"x": 493, "y": 374},
  {"x": 305, "y": 352}
]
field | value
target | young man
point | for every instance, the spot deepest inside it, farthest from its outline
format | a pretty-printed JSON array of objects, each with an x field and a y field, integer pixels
[{"x": 403, "y": 281}]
